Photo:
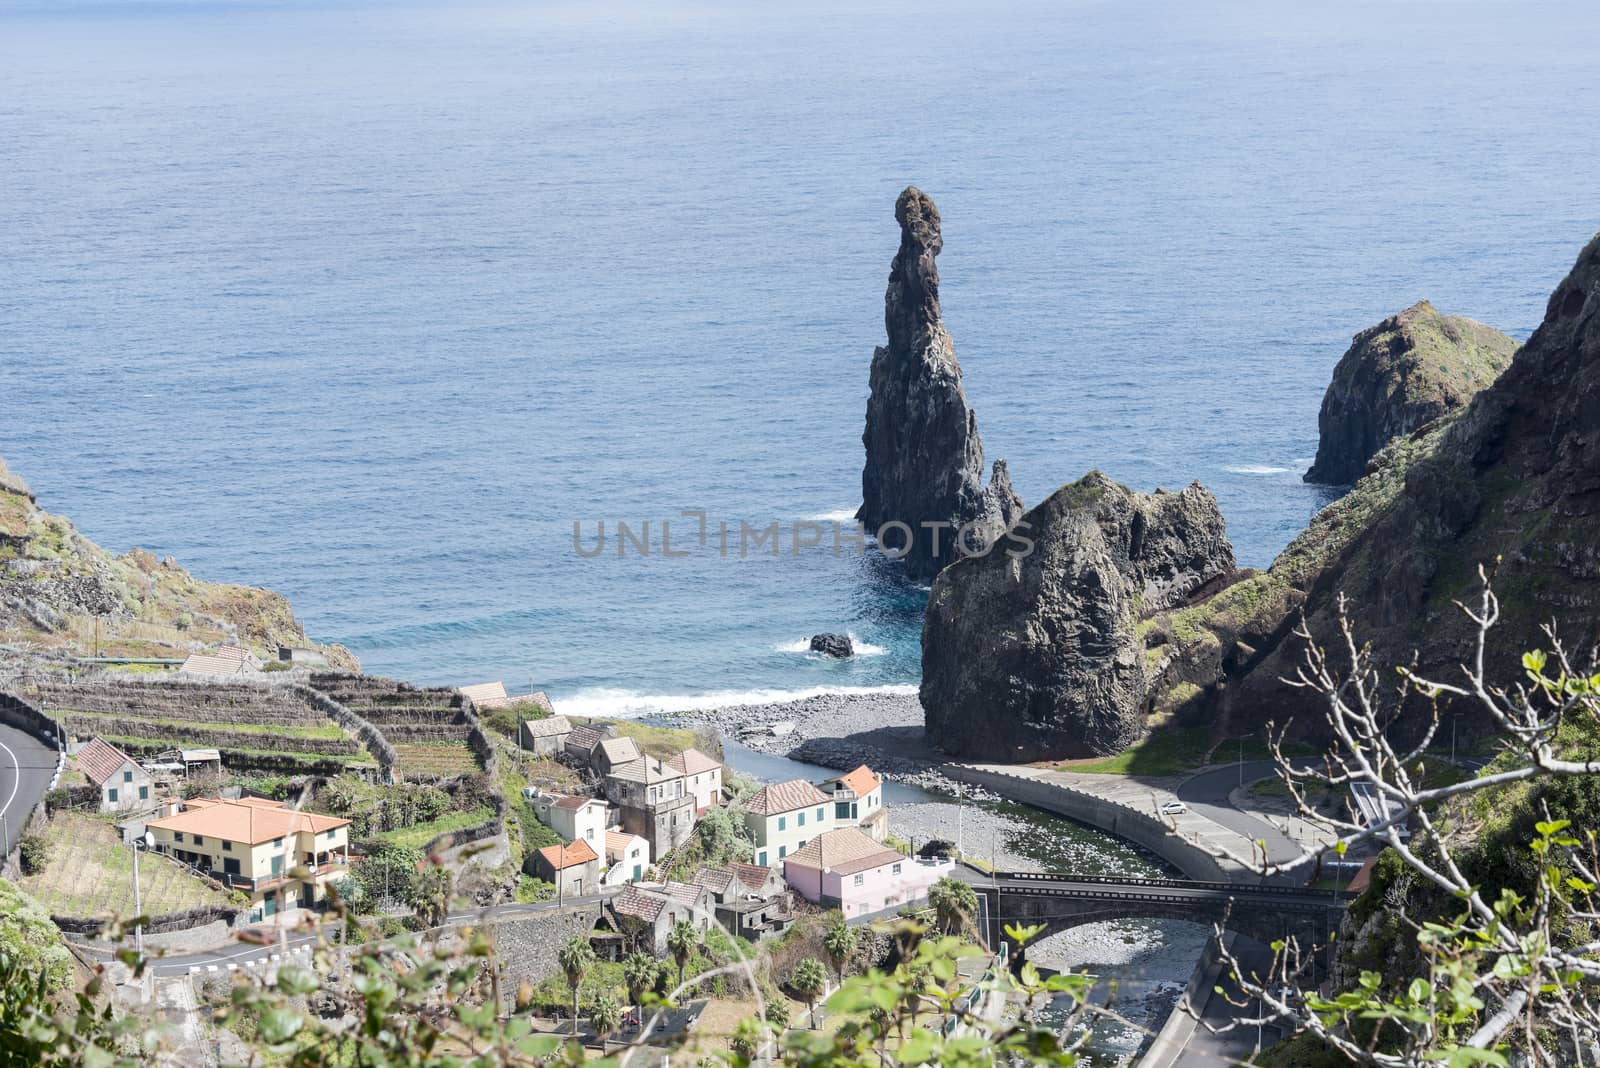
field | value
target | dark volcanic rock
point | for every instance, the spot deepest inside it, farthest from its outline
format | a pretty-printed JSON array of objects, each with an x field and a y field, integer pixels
[
  {"x": 924, "y": 457},
  {"x": 837, "y": 646},
  {"x": 1398, "y": 376},
  {"x": 1514, "y": 477},
  {"x": 1035, "y": 656}
]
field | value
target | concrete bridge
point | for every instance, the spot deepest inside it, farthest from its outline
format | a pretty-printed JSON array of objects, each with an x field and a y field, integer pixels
[{"x": 1265, "y": 912}]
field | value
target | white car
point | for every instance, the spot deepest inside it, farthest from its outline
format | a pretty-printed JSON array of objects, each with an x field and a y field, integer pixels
[{"x": 1174, "y": 808}]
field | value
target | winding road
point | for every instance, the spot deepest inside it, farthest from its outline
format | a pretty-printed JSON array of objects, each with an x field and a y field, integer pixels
[
  {"x": 26, "y": 767},
  {"x": 1207, "y": 795}
]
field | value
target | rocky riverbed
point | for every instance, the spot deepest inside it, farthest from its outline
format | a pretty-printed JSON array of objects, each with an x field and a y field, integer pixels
[{"x": 839, "y": 730}]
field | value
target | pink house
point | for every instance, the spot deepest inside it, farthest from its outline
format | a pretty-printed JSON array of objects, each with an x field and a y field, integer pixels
[{"x": 847, "y": 870}]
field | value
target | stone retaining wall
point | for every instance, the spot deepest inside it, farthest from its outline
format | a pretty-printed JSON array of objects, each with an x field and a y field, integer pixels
[
  {"x": 369, "y": 735},
  {"x": 526, "y": 947},
  {"x": 1143, "y": 830}
]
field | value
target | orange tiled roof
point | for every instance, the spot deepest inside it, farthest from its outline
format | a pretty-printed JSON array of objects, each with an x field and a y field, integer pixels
[
  {"x": 569, "y": 856},
  {"x": 863, "y": 780},
  {"x": 252, "y": 822}
]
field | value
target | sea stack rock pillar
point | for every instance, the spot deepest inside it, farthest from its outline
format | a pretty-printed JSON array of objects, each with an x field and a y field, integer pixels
[{"x": 924, "y": 457}]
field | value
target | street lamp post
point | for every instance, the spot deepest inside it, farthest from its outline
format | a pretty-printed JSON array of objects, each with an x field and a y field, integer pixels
[{"x": 138, "y": 908}]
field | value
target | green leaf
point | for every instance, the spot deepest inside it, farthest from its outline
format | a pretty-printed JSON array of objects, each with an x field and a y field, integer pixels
[{"x": 279, "y": 1025}]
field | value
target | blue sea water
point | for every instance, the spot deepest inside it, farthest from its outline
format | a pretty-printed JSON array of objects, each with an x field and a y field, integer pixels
[{"x": 370, "y": 303}]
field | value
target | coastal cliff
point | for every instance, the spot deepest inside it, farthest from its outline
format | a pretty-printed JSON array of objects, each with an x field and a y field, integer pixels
[
  {"x": 924, "y": 457},
  {"x": 1040, "y": 654},
  {"x": 1513, "y": 477},
  {"x": 1398, "y": 376},
  {"x": 59, "y": 591}
]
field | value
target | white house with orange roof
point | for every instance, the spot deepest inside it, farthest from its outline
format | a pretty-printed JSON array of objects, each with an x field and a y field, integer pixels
[
  {"x": 782, "y": 818},
  {"x": 858, "y": 801},
  {"x": 702, "y": 776},
  {"x": 282, "y": 858}
]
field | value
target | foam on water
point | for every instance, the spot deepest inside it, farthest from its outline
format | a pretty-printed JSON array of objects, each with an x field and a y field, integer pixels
[
  {"x": 627, "y": 704},
  {"x": 1255, "y": 469}
]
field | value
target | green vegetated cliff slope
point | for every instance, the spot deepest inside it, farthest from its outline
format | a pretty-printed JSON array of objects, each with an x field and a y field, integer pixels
[
  {"x": 1398, "y": 376},
  {"x": 1514, "y": 477},
  {"x": 61, "y": 591}
]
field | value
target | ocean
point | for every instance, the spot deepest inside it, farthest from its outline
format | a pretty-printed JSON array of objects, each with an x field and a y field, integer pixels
[{"x": 375, "y": 304}]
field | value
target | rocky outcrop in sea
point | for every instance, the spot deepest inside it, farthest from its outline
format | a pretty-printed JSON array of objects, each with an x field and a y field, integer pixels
[
  {"x": 1398, "y": 376},
  {"x": 1040, "y": 655},
  {"x": 924, "y": 456}
]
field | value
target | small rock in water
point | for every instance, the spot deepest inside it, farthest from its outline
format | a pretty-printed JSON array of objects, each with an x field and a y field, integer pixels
[{"x": 837, "y": 646}]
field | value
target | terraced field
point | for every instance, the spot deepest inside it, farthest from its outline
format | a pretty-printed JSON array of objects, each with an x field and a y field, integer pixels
[
  {"x": 254, "y": 725},
  {"x": 427, "y": 727},
  {"x": 90, "y": 874}
]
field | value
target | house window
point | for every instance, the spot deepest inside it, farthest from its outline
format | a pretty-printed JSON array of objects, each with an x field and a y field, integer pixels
[
  {"x": 144, "y": 793},
  {"x": 276, "y": 842},
  {"x": 227, "y": 847},
  {"x": 127, "y": 776},
  {"x": 199, "y": 840},
  {"x": 896, "y": 870},
  {"x": 820, "y": 816},
  {"x": 177, "y": 836},
  {"x": 111, "y": 795},
  {"x": 781, "y": 851},
  {"x": 859, "y": 880},
  {"x": 801, "y": 822},
  {"x": 841, "y": 809},
  {"x": 761, "y": 858},
  {"x": 783, "y": 821}
]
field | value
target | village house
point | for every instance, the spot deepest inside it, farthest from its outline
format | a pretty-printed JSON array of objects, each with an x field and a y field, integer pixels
[
  {"x": 646, "y": 912},
  {"x": 254, "y": 844},
  {"x": 846, "y": 870},
  {"x": 124, "y": 786},
  {"x": 573, "y": 818},
  {"x": 627, "y": 858},
  {"x": 749, "y": 900},
  {"x": 573, "y": 868},
  {"x": 582, "y": 741},
  {"x": 302, "y": 656},
  {"x": 224, "y": 660},
  {"x": 653, "y": 802},
  {"x": 612, "y": 753},
  {"x": 703, "y": 777},
  {"x": 544, "y": 737},
  {"x": 783, "y": 818},
  {"x": 858, "y": 801}
]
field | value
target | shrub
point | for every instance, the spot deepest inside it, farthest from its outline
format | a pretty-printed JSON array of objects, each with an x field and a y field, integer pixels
[{"x": 33, "y": 852}]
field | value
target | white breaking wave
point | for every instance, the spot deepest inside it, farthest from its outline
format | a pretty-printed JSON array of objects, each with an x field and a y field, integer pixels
[
  {"x": 846, "y": 515},
  {"x": 804, "y": 646},
  {"x": 1255, "y": 469},
  {"x": 627, "y": 704}
]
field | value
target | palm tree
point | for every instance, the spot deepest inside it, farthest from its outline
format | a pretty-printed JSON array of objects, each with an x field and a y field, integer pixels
[
  {"x": 840, "y": 942},
  {"x": 809, "y": 980},
  {"x": 640, "y": 972},
  {"x": 954, "y": 903},
  {"x": 681, "y": 941},
  {"x": 605, "y": 1018},
  {"x": 576, "y": 957}
]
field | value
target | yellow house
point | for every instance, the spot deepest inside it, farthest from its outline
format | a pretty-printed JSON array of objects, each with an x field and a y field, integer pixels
[{"x": 254, "y": 844}]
